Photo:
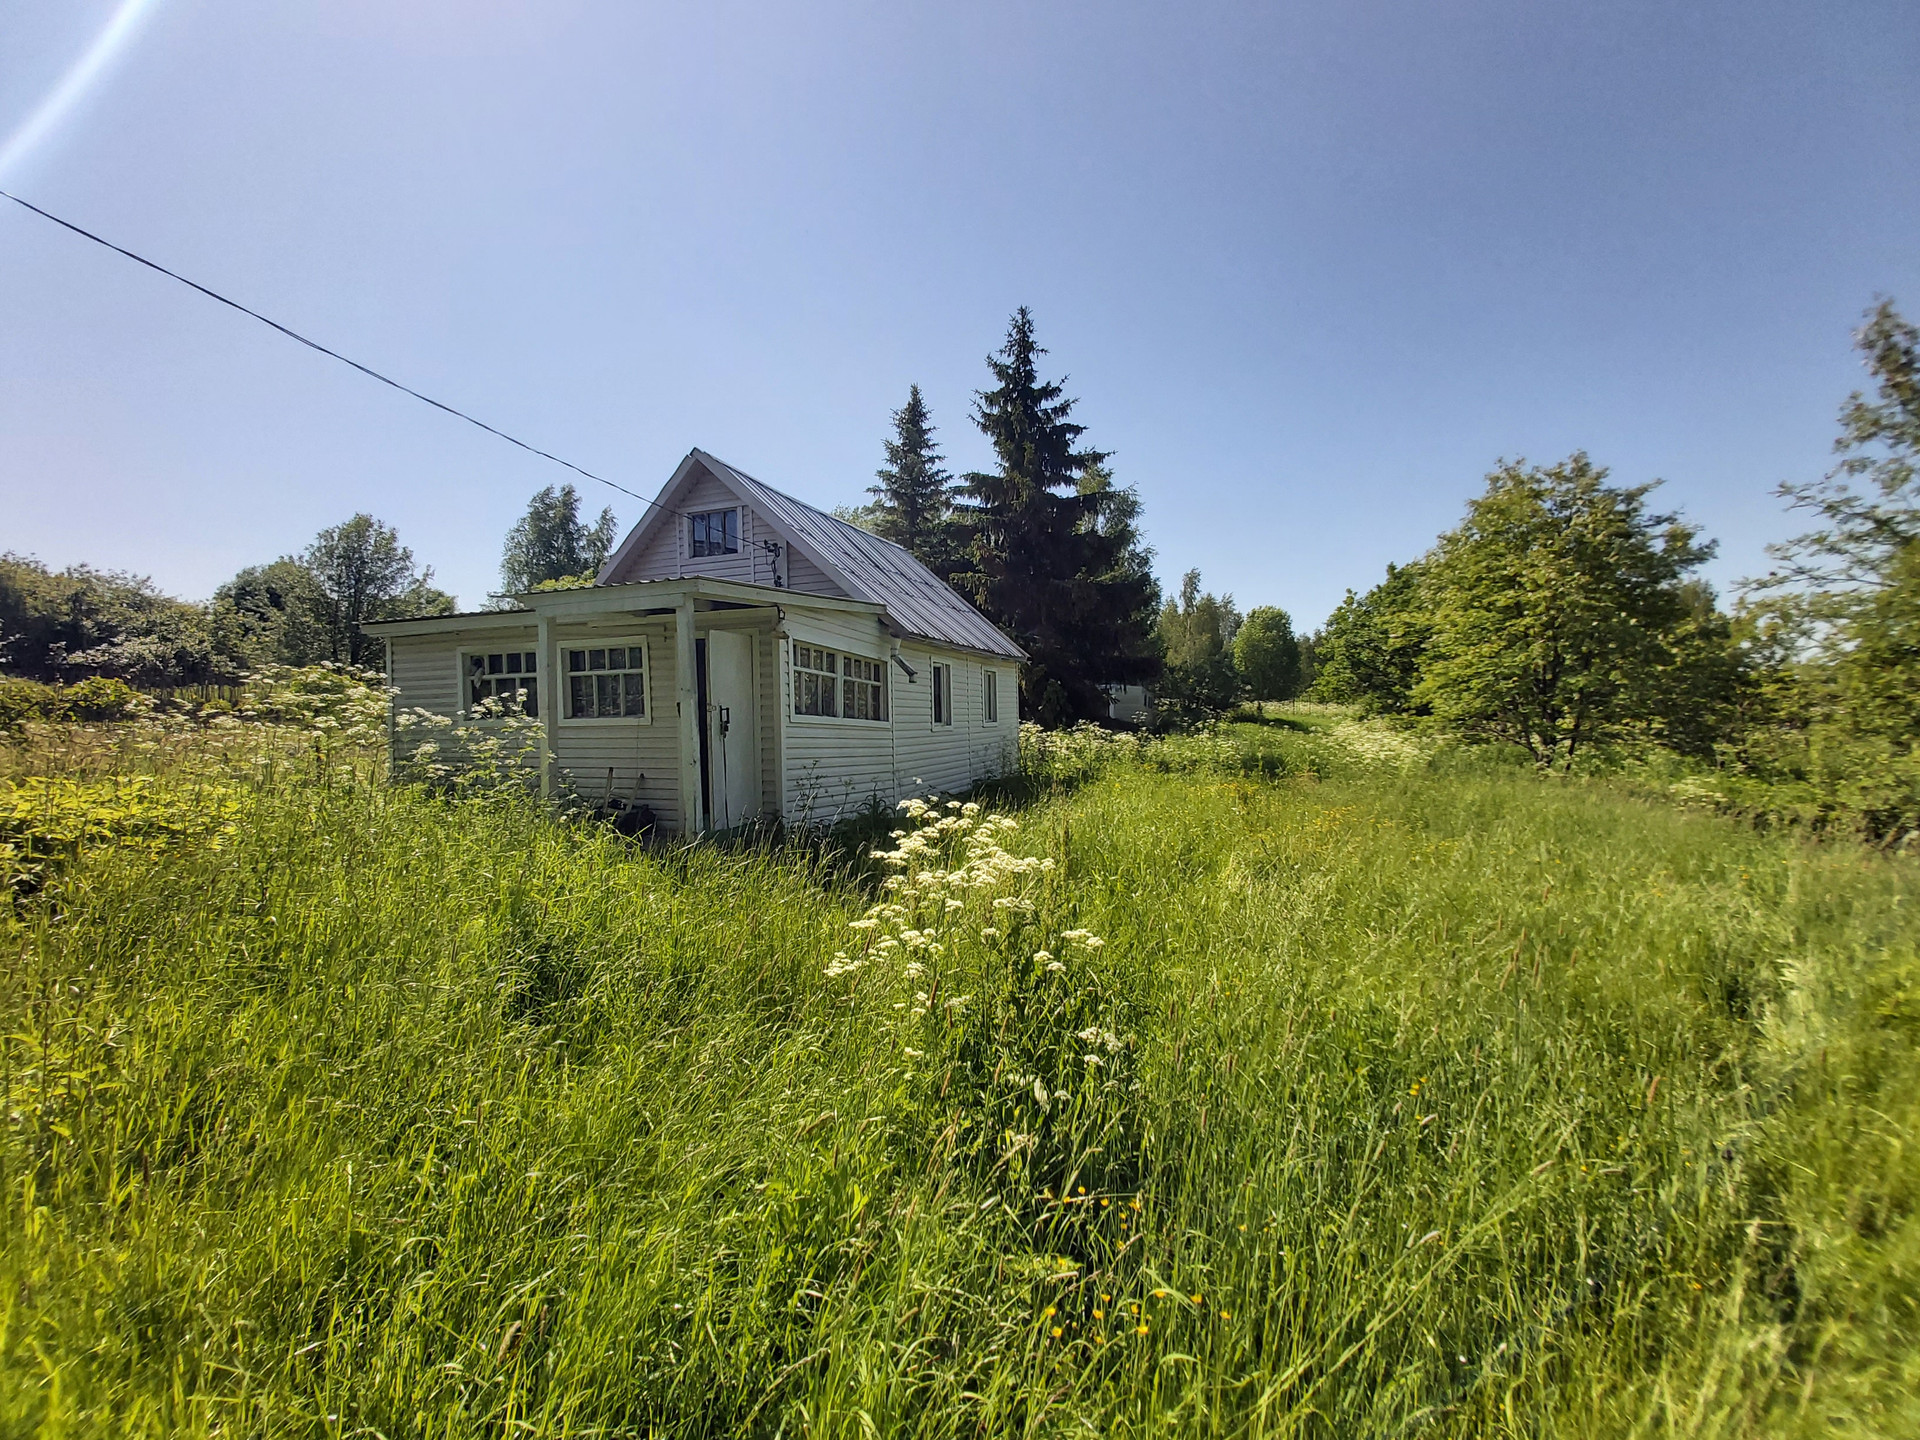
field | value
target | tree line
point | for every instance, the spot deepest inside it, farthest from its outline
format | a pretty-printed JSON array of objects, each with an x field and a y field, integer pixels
[
  {"x": 1564, "y": 615},
  {"x": 297, "y": 610},
  {"x": 301, "y": 609}
]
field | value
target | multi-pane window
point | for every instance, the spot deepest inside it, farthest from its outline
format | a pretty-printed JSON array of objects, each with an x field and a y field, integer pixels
[
  {"x": 826, "y": 682},
  {"x": 815, "y": 680},
  {"x": 713, "y": 532},
  {"x": 863, "y": 688},
  {"x": 606, "y": 682},
  {"x": 989, "y": 696},
  {"x": 943, "y": 694},
  {"x": 504, "y": 682}
]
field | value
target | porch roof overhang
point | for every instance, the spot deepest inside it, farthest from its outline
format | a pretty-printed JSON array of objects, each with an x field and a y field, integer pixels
[{"x": 638, "y": 597}]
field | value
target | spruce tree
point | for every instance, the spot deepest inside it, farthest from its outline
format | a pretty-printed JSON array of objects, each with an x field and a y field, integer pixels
[
  {"x": 913, "y": 503},
  {"x": 1055, "y": 558}
]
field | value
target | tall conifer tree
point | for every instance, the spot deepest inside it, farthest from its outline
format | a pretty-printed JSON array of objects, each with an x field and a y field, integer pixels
[
  {"x": 1054, "y": 549},
  {"x": 913, "y": 503}
]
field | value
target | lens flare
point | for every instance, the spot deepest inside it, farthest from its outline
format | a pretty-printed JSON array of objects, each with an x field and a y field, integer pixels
[{"x": 74, "y": 86}]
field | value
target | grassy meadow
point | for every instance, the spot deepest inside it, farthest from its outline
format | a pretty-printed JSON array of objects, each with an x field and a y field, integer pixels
[{"x": 1288, "y": 1081}]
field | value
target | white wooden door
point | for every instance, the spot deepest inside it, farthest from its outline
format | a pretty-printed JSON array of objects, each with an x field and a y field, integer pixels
[{"x": 733, "y": 730}]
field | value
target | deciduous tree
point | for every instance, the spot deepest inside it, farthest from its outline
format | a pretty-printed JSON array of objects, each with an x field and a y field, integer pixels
[
  {"x": 552, "y": 543},
  {"x": 1267, "y": 655},
  {"x": 362, "y": 573},
  {"x": 1559, "y": 611},
  {"x": 1369, "y": 652},
  {"x": 1197, "y": 632}
]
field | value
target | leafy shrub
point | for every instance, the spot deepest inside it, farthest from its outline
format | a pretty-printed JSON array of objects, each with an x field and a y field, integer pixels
[
  {"x": 100, "y": 697},
  {"x": 24, "y": 700},
  {"x": 46, "y": 822}
]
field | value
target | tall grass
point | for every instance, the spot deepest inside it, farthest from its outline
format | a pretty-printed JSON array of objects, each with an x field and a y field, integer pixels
[{"x": 1441, "y": 1102}]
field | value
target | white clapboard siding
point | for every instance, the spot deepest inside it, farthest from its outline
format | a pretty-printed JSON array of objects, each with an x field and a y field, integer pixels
[
  {"x": 835, "y": 765},
  {"x": 425, "y": 672},
  {"x": 806, "y": 577},
  {"x": 634, "y": 760},
  {"x": 942, "y": 758}
]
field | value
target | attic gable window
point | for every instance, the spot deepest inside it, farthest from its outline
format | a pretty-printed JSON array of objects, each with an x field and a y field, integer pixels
[{"x": 713, "y": 532}]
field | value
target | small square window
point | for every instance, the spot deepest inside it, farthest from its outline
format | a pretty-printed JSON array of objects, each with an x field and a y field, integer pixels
[
  {"x": 503, "y": 684},
  {"x": 608, "y": 683},
  {"x": 713, "y": 532}
]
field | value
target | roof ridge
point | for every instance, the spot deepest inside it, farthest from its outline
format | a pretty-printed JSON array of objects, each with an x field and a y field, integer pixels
[
  {"x": 823, "y": 514},
  {"x": 872, "y": 567}
]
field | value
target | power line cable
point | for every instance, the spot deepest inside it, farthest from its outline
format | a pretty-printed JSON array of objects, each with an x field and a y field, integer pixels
[{"x": 367, "y": 370}]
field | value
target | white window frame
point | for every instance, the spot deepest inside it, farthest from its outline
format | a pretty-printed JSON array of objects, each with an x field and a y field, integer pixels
[
  {"x": 563, "y": 681},
  {"x": 989, "y": 696},
  {"x": 941, "y": 694},
  {"x": 841, "y": 655},
  {"x": 463, "y": 707},
  {"x": 739, "y": 532}
]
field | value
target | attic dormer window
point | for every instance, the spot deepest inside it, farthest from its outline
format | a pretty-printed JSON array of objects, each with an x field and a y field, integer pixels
[{"x": 713, "y": 532}]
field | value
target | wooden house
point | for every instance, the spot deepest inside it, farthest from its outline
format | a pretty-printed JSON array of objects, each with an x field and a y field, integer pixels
[{"x": 741, "y": 656}]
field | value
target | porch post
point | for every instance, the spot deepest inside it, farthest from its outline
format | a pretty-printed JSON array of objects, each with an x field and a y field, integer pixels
[
  {"x": 693, "y": 818},
  {"x": 548, "y": 681}
]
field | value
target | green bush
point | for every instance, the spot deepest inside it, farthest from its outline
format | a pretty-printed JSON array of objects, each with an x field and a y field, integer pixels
[
  {"x": 100, "y": 697},
  {"x": 24, "y": 700}
]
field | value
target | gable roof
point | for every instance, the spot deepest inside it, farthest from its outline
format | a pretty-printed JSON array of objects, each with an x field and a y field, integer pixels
[{"x": 866, "y": 567}]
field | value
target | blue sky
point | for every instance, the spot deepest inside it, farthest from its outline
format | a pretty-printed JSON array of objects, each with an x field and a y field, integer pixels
[{"x": 1311, "y": 269}]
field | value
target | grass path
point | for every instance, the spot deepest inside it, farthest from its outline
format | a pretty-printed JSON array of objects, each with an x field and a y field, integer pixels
[{"x": 1442, "y": 1103}]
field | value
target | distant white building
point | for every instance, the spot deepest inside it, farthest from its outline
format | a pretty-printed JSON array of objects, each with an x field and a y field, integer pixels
[
  {"x": 741, "y": 656},
  {"x": 1128, "y": 704}
]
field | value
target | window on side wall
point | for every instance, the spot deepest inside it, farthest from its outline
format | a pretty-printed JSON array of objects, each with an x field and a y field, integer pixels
[
  {"x": 606, "y": 682},
  {"x": 503, "y": 683},
  {"x": 990, "y": 696},
  {"x": 713, "y": 532},
  {"x": 828, "y": 682},
  {"x": 816, "y": 680},
  {"x": 943, "y": 694}
]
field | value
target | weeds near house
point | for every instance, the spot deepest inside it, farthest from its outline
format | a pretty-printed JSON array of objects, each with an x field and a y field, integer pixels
[{"x": 1426, "y": 1101}]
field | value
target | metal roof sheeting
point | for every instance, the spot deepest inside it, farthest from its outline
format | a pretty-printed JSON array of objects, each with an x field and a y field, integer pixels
[{"x": 918, "y": 600}]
